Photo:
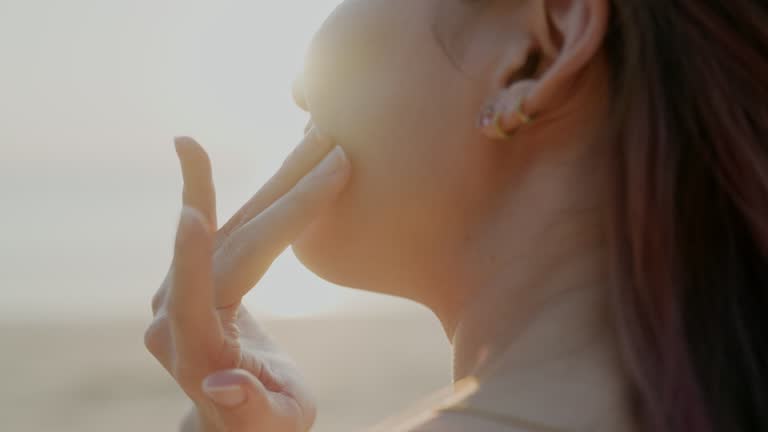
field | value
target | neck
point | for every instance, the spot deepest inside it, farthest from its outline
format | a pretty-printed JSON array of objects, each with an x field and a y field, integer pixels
[
  {"x": 540, "y": 253},
  {"x": 536, "y": 315},
  {"x": 546, "y": 316},
  {"x": 537, "y": 338}
]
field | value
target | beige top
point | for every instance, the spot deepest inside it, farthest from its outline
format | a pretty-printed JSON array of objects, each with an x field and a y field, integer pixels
[
  {"x": 449, "y": 410},
  {"x": 501, "y": 419}
]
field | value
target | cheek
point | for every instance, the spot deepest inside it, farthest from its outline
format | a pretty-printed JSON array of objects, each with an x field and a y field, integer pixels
[
  {"x": 399, "y": 108},
  {"x": 375, "y": 69},
  {"x": 379, "y": 84},
  {"x": 405, "y": 203}
]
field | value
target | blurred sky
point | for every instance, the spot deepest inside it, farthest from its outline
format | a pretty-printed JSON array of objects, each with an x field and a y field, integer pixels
[{"x": 91, "y": 94}]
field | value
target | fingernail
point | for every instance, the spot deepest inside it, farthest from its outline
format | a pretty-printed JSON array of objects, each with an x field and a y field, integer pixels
[
  {"x": 228, "y": 395},
  {"x": 332, "y": 163}
]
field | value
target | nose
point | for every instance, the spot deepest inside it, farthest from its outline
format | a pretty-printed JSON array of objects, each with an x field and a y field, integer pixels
[{"x": 298, "y": 93}]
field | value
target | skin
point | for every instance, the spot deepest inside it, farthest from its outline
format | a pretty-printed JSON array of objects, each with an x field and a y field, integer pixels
[{"x": 503, "y": 239}]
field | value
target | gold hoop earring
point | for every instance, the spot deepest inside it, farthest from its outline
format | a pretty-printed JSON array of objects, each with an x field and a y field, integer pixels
[
  {"x": 497, "y": 126},
  {"x": 524, "y": 120}
]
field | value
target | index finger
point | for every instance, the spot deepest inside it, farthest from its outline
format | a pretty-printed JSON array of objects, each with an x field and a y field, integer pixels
[{"x": 311, "y": 150}]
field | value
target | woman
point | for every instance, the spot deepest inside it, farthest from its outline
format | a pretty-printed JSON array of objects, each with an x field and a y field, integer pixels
[{"x": 577, "y": 188}]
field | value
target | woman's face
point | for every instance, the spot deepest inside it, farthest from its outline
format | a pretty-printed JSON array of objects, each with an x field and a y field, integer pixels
[{"x": 379, "y": 82}]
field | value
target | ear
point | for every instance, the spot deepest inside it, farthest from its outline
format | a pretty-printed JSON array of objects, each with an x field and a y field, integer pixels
[{"x": 564, "y": 36}]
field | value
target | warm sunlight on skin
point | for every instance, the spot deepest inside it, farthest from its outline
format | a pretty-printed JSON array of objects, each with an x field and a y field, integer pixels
[
  {"x": 306, "y": 295},
  {"x": 112, "y": 87}
]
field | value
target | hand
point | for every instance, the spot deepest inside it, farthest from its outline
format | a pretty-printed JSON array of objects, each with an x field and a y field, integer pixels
[{"x": 233, "y": 372}]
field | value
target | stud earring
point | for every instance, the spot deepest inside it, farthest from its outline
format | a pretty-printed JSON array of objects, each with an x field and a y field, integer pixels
[
  {"x": 491, "y": 116},
  {"x": 486, "y": 117}
]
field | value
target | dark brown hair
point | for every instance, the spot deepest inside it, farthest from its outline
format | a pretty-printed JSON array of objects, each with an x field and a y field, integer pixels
[
  {"x": 691, "y": 217},
  {"x": 690, "y": 231}
]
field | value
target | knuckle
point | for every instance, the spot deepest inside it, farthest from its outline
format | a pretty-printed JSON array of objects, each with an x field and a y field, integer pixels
[
  {"x": 154, "y": 336},
  {"x": 229, "y": 356},
  {"x": 157, "y": 300},
  {"x": 159, "y": 297}
]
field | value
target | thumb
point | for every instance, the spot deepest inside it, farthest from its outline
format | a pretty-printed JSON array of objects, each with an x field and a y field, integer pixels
[
  {"x": 230, "y": 388},
  {"x": 245, "y": 404}
]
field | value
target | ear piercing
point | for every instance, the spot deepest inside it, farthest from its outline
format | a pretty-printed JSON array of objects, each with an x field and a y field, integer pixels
[{"x": 491, "y": 116}]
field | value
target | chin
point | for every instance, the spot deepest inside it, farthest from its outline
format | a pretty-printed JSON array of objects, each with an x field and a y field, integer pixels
[
  {"x": 340, "y": 253},
  {"x": 319, "y": 249}
]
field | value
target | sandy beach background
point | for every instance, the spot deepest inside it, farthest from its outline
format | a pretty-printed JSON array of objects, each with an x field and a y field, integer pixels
[{"x": 88, "y": 377}]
